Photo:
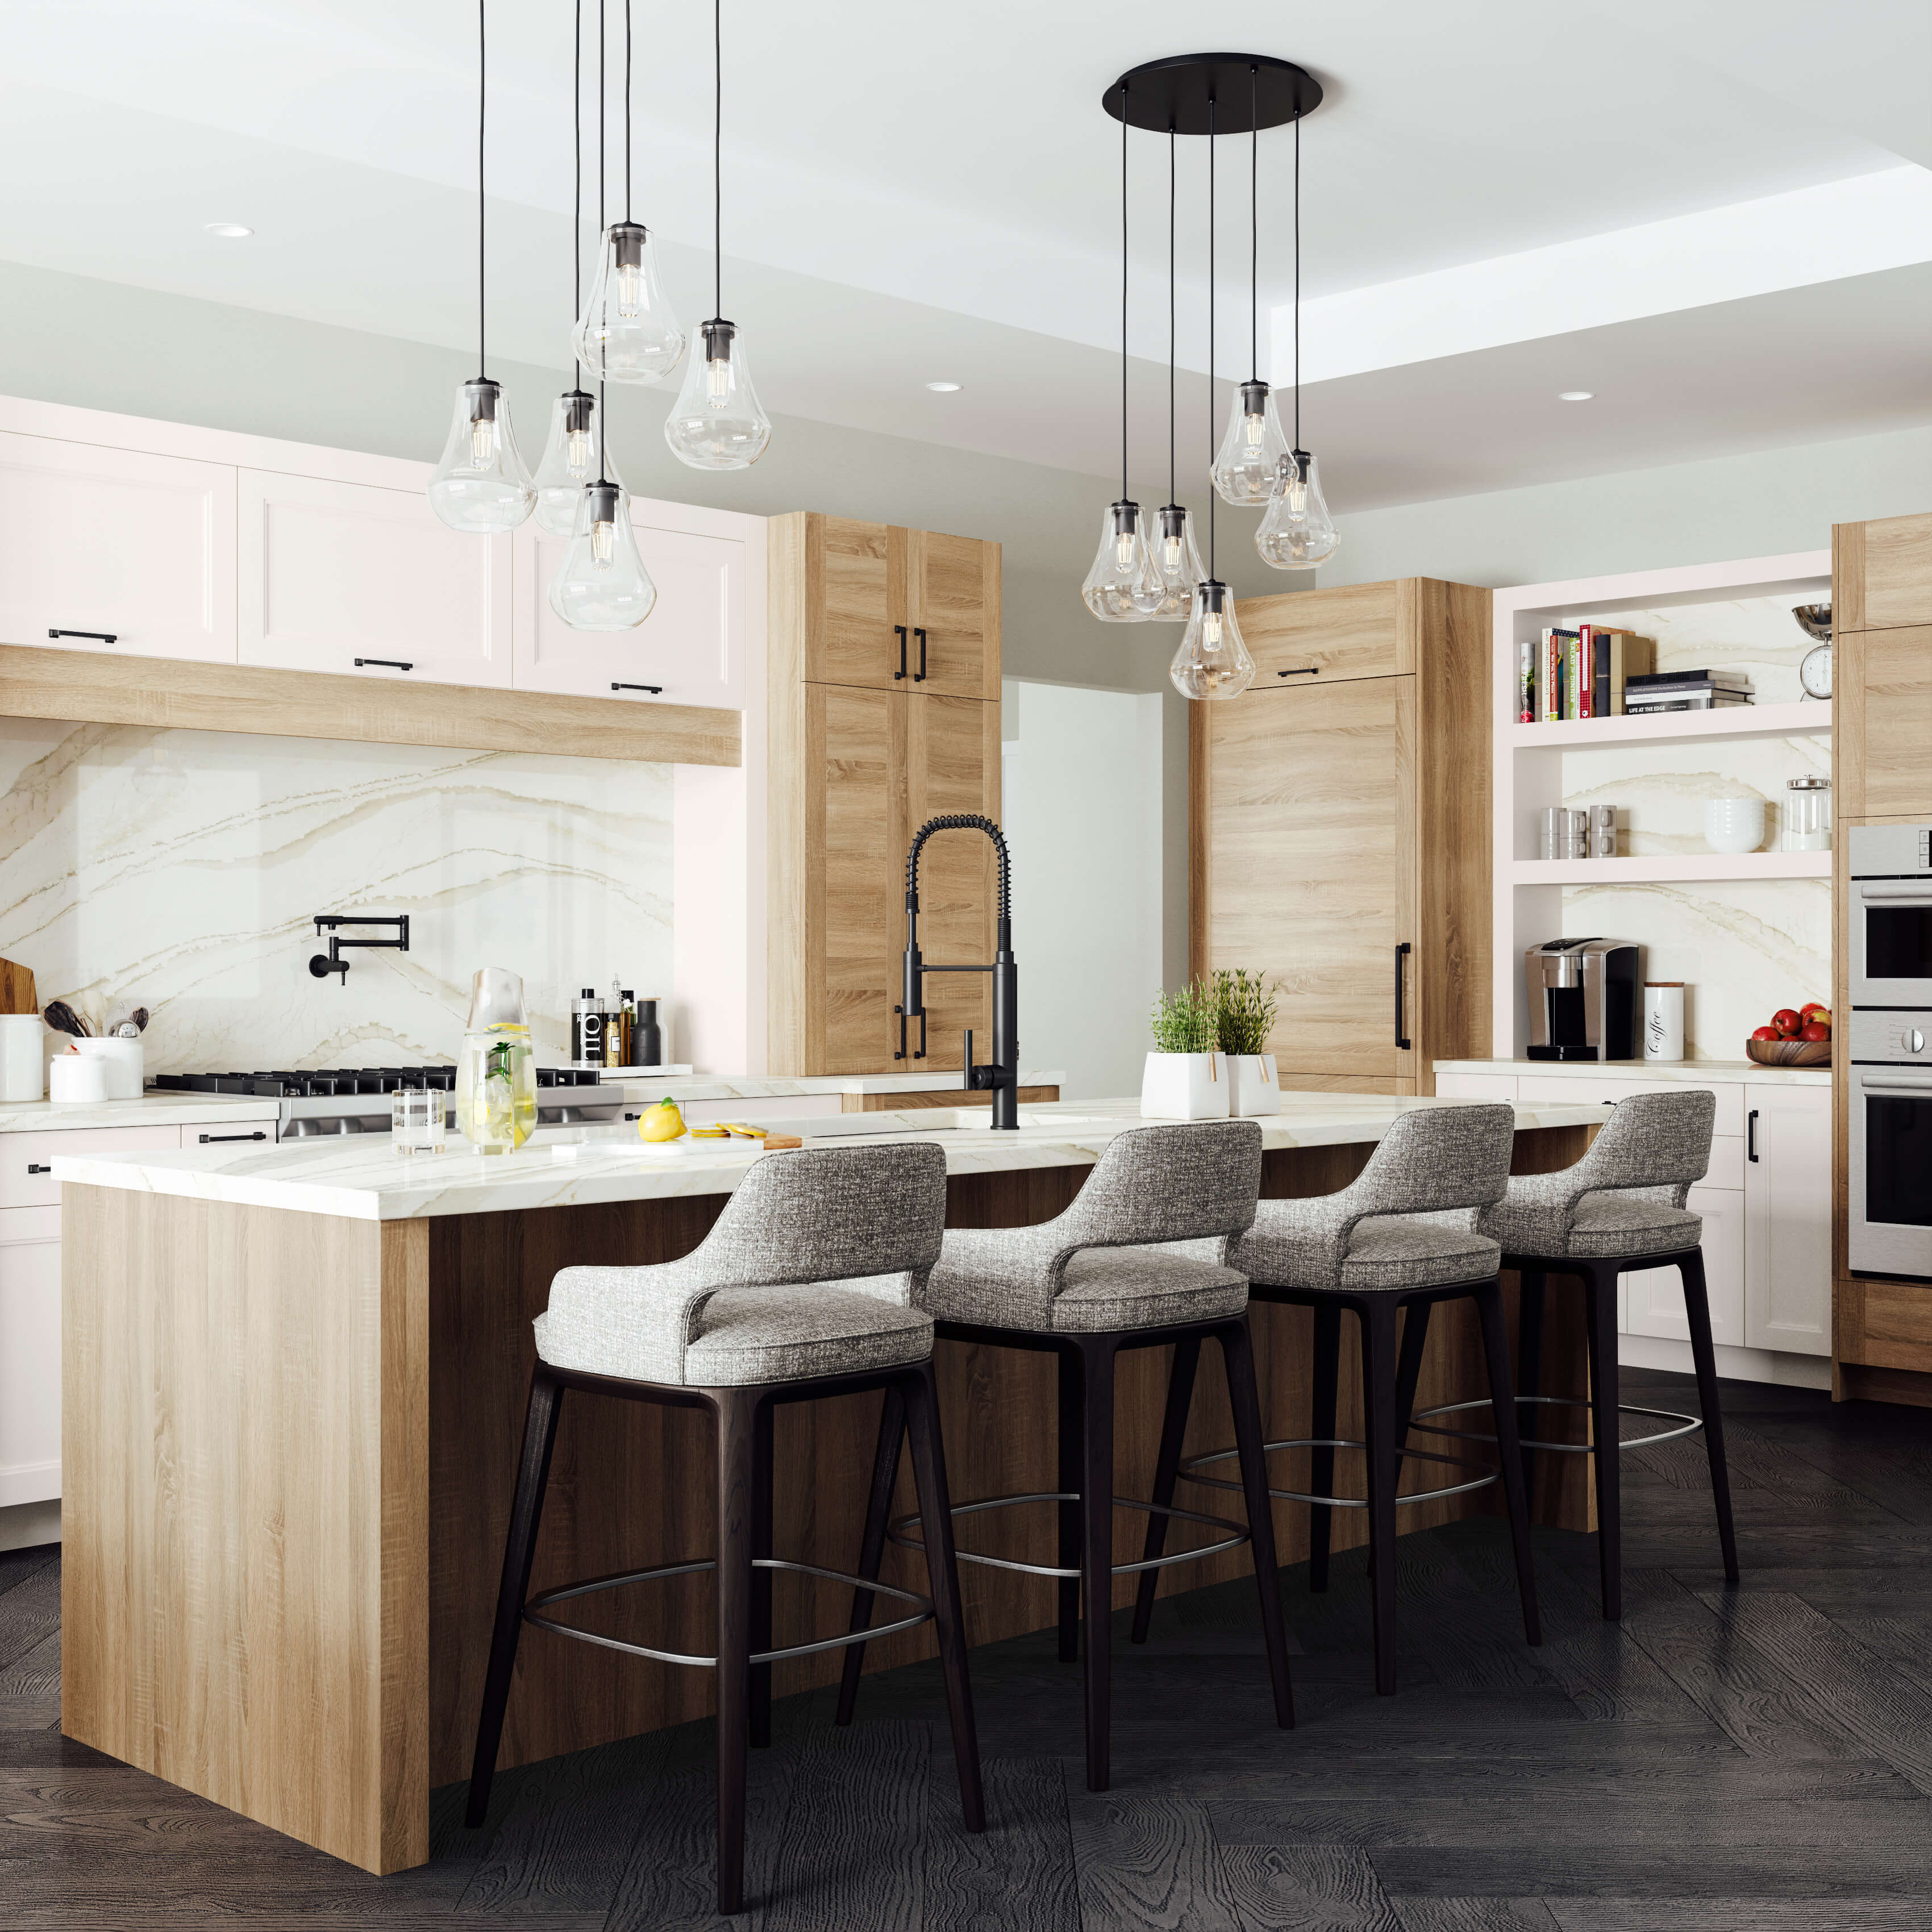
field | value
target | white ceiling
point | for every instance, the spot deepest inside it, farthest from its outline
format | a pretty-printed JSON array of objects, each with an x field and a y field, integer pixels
[{"x": 1715, "y": 216}]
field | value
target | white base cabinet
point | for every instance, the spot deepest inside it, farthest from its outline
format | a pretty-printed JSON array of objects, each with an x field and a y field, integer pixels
[{"x": 1650, "y": 1300}]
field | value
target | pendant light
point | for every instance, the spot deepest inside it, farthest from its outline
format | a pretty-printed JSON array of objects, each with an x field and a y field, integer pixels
[
  {"x": 627, "y": 333},
  {"x": 717, "y": 422},
  {"x": 1297, "y": 533},
  {"x": 1213, "y": 661},
  {"x": 570, "y": 458},
  {"x": 1175, "y": 555},
  {"x": 1251, "y": 452},
  {"x": 1124, "y": 586},
  {"x": 481, "y": 485}
]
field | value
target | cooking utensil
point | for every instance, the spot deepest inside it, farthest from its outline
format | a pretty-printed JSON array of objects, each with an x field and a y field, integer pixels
[
  {"x": 139, "y": 1017},
  {"x": 63, "y": 1018}
]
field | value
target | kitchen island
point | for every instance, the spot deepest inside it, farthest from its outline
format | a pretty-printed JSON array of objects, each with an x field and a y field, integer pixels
[{"x": 294, "y": 1381}]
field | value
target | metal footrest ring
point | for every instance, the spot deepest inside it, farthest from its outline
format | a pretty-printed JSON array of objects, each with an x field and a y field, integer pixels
[
  {"x": 564, "y": 1591},
  {"x": 1690, "y": 1422},
  {"x": 1238, "y": 1534},
  {"x": 1193, "y": 1464}
]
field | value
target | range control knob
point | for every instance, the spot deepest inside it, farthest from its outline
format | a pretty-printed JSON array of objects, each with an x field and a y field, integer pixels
[{"x": 1915, "y": 1040}]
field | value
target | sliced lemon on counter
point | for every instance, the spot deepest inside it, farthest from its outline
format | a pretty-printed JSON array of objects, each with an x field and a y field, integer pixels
[
  {"x": 743, "y": 1132},
  {"x": 709, "y": 1134}
]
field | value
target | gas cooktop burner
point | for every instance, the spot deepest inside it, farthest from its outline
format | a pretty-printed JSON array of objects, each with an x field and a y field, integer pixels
[{"x": 336, "y": 1082}]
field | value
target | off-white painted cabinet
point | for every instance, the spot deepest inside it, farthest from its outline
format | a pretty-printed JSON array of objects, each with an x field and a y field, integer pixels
[
  {"x": 350, "y": 577},
  {"x": 136, "y": 548},
  {"x": 1653, "y": 1298},
  {"x": 1788, "y": 1220}
]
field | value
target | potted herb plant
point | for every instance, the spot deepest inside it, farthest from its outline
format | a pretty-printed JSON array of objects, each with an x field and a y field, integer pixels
[
  {"x": 1244, "y": 1010},
  {"x": 1186, "y": 1078}
]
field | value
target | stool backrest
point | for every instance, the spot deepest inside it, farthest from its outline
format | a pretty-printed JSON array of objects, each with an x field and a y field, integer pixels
[
  {"x": 1433, "y": 1158},
  {"x": 1169, "y": 1184},
  {"x": 1661, "y": 1139},
  {"x": 830, "y": 1214}
]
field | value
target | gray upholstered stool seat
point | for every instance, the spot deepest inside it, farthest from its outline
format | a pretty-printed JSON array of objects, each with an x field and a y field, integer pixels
[
  {"x": 981, "y": 1273},
  {"x": 1292, "y": 1244}
]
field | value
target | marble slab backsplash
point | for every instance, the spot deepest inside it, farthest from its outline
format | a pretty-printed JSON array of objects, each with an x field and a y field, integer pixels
[
  {"x": 182, "y": 870},
  {"x": 1660, "y": 791},
  {"x": 1755, "y": 639}
]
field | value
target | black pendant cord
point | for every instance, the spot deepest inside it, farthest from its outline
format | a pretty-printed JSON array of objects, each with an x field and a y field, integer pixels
[
  {"x": 627, "y": 112},
  {"x": 577, "y": 192},
  {"x": 1123, "y": 294},
  {"x": 1170, "y": 471},
  {"x": 603, "y": 105},
  {"x": 482, "y": 94},
  {"x": 717, "y": 158},
  {"x": 1254, "y": 223},
  {"x": 1212, "y": 492},
  {"x": 1297, "y": 285}
]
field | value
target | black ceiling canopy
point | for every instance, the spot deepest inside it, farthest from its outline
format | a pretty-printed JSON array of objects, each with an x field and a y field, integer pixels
[{"x": 1247, "y": 91}]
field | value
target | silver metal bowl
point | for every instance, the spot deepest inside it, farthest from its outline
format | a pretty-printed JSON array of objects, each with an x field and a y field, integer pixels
[{"x": 1814, "y": 620}]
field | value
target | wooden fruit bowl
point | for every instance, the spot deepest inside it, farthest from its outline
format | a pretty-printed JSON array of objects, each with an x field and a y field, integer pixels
[{"x": 1789, "y": 1052}]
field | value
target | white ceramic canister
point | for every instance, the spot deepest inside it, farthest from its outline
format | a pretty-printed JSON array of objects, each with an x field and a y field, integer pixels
[
  {"x": 23, "y": 1065},
  {"x": 1253, "y": 1088},
  {"x": 1733, "y": 825},
  {"x": 74, "y": 1079},
  {"x": 1663, "y": 1019},
  {"x": 122, "y": 1058},
  {"x": 1184, "y": 1087}
]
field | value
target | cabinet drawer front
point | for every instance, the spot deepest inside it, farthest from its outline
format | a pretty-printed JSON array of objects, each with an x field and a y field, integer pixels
[
  {"x": 1569, "y": 1089},
  {"x": 1352, "y": 631},
  {"x": 25, "y": 1158}
]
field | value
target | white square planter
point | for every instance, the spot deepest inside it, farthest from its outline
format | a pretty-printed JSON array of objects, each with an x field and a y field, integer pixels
[
  {"x": 1184, "y": 1087},
  {"x": 1253, "y": 1086}
]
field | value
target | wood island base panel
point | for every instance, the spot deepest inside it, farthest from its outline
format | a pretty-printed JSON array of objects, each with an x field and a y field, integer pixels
[{"x": 289, "y": 1442}]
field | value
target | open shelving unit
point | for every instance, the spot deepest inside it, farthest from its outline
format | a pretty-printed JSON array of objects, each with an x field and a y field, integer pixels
[{"x": 1529, "y": 771}]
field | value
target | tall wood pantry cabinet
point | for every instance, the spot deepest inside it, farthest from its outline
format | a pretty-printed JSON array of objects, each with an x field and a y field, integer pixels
[
  {"x": 883, "y": 662},
  {"x": 1340, "y": 830}
]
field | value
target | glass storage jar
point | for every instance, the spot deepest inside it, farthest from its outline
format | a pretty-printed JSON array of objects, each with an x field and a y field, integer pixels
[{"x": 1807, "y": 815}]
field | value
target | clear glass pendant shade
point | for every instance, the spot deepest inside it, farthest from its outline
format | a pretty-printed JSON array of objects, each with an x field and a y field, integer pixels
[
  {"x": 481, "y": 485},
  {"x": 573, "y": 458},
  {"x": 717, "y": 422},
  {"x": 1298, "y": 533},
  {"x": 1124, "y": 586},
  {"x": 1252, "y": 451},
  {"x": 627, "y": 333},
  {"x": 603, "y": 584},
  {"x": 1212, "y": 661},
  {"x": 1179, "y": 563}
]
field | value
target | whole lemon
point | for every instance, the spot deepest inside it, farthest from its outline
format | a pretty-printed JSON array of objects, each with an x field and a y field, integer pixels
[{"x": 663, "y": 1123}]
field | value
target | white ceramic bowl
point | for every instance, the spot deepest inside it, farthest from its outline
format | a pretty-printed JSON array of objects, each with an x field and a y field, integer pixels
[{"x": 1734, "y": 824}]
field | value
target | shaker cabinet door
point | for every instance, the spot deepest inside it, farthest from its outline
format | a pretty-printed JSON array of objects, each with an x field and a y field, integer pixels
[
  {"x": 137, "y": 549},
  {"x": 1654, "y": 1297},
  {"x": 1788, "y": 1221},
  {"x": 30, "y": 1355},
  {"x": 856, "y": 629},
  {"x": 955, "y": 610}
]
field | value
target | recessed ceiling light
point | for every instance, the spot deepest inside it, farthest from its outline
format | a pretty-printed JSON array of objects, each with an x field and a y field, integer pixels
[
  {"x": 229, "y": 231},
  {"x": 942, "y": 389},
  {"x": 1574, "y": 395}
]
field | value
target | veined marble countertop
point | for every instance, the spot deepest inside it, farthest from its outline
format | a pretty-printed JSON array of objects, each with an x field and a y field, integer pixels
[
  {"x": 152, "y": 1110},
  {"x": 1675, "y": 1072},
  {"x": 366, "y": 1180},
  {"x": 789, "y": 1086}
]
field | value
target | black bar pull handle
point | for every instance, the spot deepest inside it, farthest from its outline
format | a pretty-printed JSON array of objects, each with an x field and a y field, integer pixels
[
  {"x": 206, "y": 1138},
  {"x": 100, "y": 636},
  {"x": 899, "y": 1014},
  {"x": 656, "y": 690},
  {"x": 1301, "y": 670},
  {"x": 388, "y": 664},
  {"x": 899, "y": 631},
  {"x": 1402, "y": 953},
  {"x": 919, "y": 676},
  {"x": 921, "y": 1054},
  {"x": 1751, "y": 1135},
  {"x": 34, "y": 1167}
]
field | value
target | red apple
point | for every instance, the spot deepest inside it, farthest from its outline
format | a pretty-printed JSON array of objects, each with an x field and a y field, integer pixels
[
  {"x": 1811, "y": 1029},
  {"x": 1786, "y": 1022},
  {"x": 1812, "y": 1009},
  {"x": 1766, "y": 1033}
]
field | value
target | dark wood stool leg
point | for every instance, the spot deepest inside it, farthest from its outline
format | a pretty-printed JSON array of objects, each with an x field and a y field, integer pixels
[
  {"x": 1379, "y": 1372},
  {"x": 1509, "y": 1451},
  {"x": 1326, "y": 1368},
  {"x": 761, "y": 1580},
  {"x": 738, "y": 1426},
  {"x": 872, "y": 1550},
  {"x": 1072, "y": 1398},
  {"x": 1599, "y": 1291},
  {"x": 935, "y": 1509},
  {"x": 1238, "y": 1358},
  {"x": 1529, "y": 1369},
  {"x": 519, "y": 1549},
  {"x": 1166, "y": 1473},
  {"x": 1096, "y": 1553},
  {"x": 1697, "y": 1306},
  {"x": 1408, "y": 1371}
]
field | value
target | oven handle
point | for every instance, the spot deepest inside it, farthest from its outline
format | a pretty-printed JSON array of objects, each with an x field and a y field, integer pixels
[
  {"x": 1895, "y": 1083},
  {"x": 1895, "y": 891}
]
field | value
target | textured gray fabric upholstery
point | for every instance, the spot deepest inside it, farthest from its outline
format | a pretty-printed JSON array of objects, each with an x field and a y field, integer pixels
[
  {"x": 1634, "y": 1178},
  {"x": 1100, "y": 1266},
  {"x": 850, "y": 1233},
  {"x": 1431, "y": 1160}
]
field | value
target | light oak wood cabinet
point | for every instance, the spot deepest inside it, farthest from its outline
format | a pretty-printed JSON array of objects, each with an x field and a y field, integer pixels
[
  {"x": 1882, "y": 574},
  {"x": 1338, "y": 831},
  {"x": 1881, "y": 689},
  {"x": 860, "y": 757}
]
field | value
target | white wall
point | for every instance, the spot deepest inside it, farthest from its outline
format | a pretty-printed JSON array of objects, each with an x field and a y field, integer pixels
[{"x": 1083, "y": 815}]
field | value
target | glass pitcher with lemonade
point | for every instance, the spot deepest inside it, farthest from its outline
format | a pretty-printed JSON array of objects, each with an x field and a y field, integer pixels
[{"x": 496, "y": 1076}]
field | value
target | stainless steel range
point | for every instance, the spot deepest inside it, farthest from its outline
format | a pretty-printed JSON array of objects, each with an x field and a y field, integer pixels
[{"x": 354, "y": 1099}]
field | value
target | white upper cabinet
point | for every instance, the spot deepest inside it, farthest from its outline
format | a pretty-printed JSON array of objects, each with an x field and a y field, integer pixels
[
  {"x": 334, "y": 572},
  {"x": 693, "y": 643},
  {"x": 137, "y": 548}
]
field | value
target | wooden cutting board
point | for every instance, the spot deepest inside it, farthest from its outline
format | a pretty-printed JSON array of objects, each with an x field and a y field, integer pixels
[{"x": 16, "y": 989}]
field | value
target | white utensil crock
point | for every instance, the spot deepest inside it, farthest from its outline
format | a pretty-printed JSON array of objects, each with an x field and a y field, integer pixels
[
  {"x": 1185, "y": 1087},
  {"x": 123, "y": 1062},
  {"x": 22, "y": 1057}
]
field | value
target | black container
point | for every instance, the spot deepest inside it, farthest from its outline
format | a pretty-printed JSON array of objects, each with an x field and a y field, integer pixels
[{"x": 586, "y": 1029}]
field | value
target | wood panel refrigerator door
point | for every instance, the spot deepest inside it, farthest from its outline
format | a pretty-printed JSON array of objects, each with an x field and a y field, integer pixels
[
  {"x": 332, "y": 572},
  {"x": 139, "y": 547},
  {"x": 857, "y": 631},
  {"x": 1311, "y": 880},
  {"x": 954, "y": 586},
  {"x": 1788, "y": 1221},
  {"x": 953, "y": 760},
  {"x": 856, "y": 767},
  {"x": 1654, "y": 1297}
]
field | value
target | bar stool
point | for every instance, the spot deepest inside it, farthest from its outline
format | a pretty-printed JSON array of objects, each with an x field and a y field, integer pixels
[
  {"x": 805, "y": 1287},
  {"x": 1087, "y": 1286},
  {"x": 1621, "y": 1206},
  {"x": 1386, "y": 1242}
]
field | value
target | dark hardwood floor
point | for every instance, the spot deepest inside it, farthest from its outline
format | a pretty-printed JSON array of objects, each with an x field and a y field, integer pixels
[{"x": 1758, "y": 1761}]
